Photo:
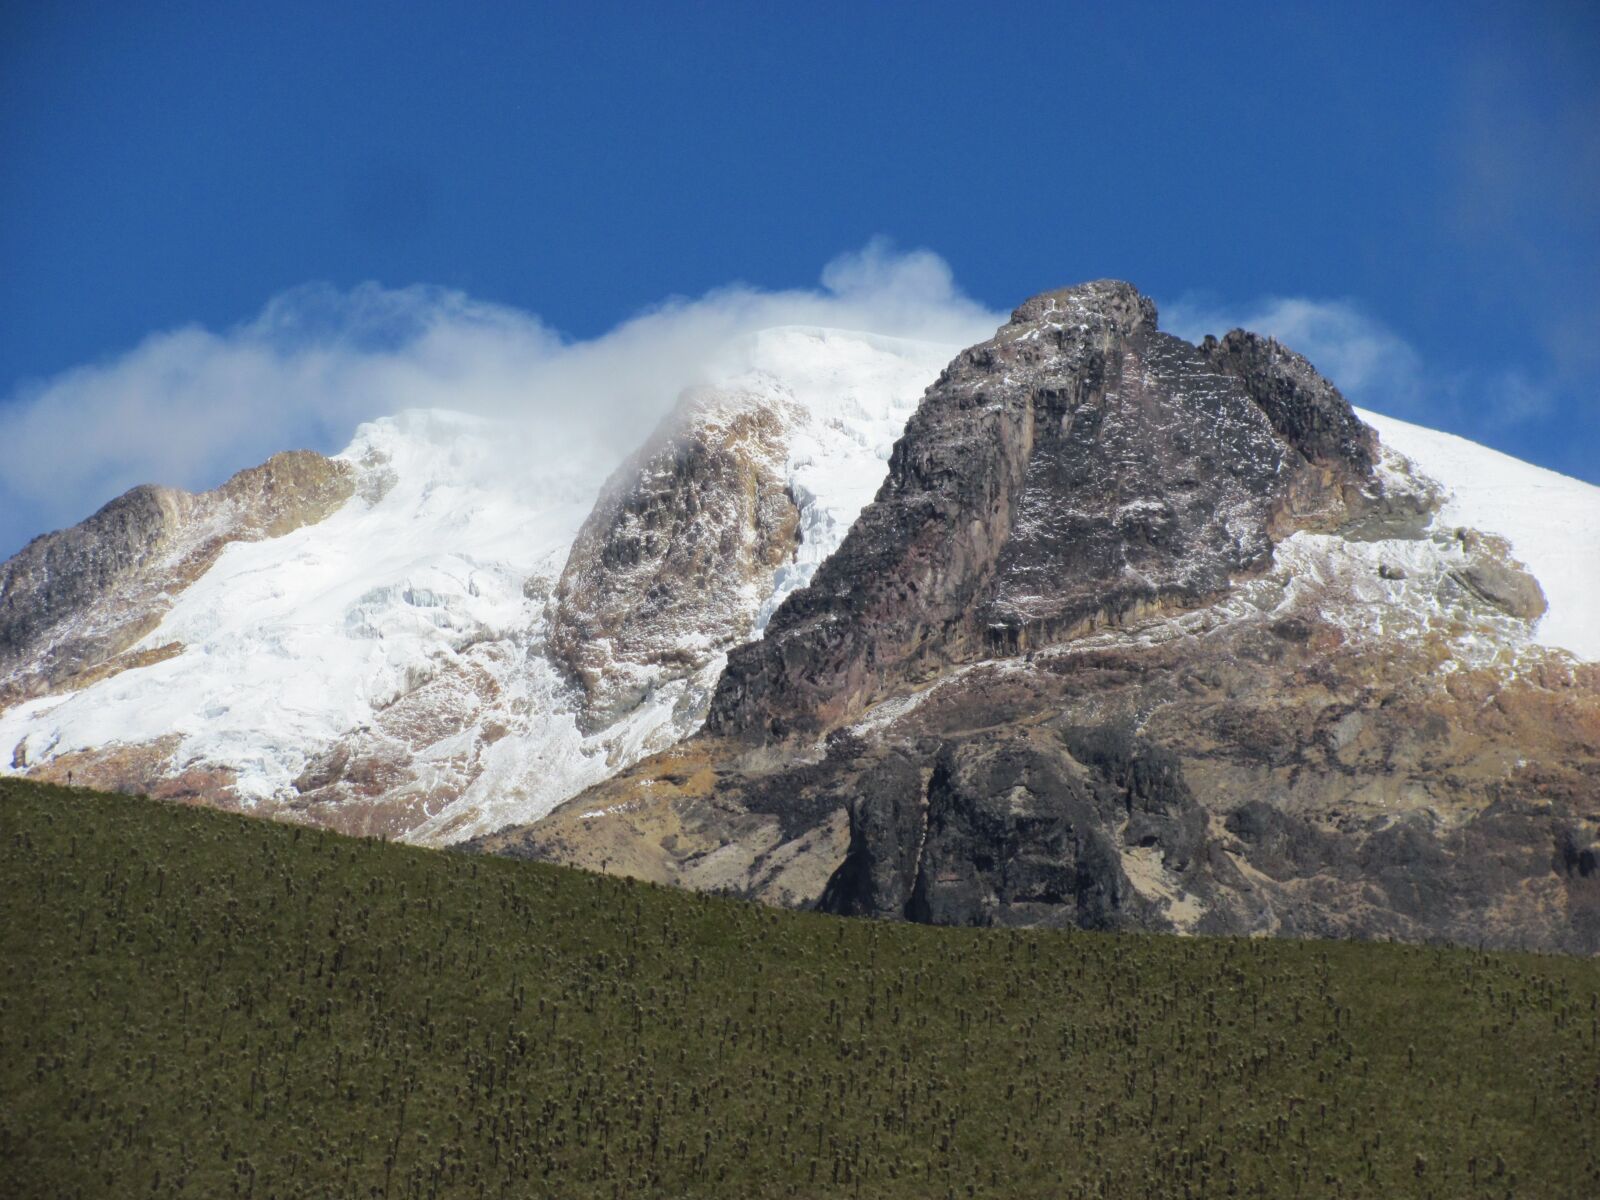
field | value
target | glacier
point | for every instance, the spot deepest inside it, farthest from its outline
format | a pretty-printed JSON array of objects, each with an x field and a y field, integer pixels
[{"x": 439, "y": 572}]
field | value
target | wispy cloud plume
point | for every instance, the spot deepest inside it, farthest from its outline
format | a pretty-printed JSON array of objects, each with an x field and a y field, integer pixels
[
  {"x": 1374, "y": 366},
  {"x": 1363, "y": 358},
  {"x": 189, "y": 406}
]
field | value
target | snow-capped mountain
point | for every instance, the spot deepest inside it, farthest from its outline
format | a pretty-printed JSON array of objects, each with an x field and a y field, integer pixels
[
  {"x": 1083, "y": 624},
  {"x": 1139, "y": 633},
  {"x": 387, "y": 666}
]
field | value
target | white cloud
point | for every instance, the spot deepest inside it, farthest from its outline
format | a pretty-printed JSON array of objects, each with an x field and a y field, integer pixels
[
  {"x": 1370, "y": 363},
  {"x": 190, "y": 406}
]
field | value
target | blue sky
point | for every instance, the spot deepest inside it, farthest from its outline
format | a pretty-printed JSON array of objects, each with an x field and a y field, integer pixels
[{"x": 1410, "y": 190}]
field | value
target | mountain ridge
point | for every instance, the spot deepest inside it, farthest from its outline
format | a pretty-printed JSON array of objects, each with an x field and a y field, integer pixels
[
  {"x": 401, "y": 668},
  {"x": 1079, "y": 664},
  {"x": 1115, "y": 593}
]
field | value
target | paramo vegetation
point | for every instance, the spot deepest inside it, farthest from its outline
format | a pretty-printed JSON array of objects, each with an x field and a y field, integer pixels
[{"x": 199, "y": 1004}]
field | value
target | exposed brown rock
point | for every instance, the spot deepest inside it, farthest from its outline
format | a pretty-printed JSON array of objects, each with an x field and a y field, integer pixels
[
  {"x": 386, "y": 778},
  {"x": 1126, "y": 642},
  {"x": 683, "y": 819},
  {"x": 662, "y": 576},
  {"x": 148, "y": 768},
  {"x": 127, "y": 661},
  {"x": 1079, "y": 469},
  {"x": 72, "y": 602},
  {"x": 1227, "y": 780}
]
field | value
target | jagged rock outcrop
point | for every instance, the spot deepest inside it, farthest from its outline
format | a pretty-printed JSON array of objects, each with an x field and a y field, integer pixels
[
  {"x": 72, "y": 602},
  {"x": 1078, "y": 469},
  {"x": 670, "y": 568},
  {"x": 1139, "y": 634},
  {"x": 1304, "y": 408}
]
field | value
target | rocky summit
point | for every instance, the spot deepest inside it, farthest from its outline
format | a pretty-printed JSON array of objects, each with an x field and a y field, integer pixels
[
  {"x": 1079, "y": 469},
  {"x": 1139, "y": 634},
  {"x": 1092, "y": 627}
]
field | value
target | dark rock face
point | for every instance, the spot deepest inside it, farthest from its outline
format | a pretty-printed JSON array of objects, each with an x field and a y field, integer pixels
[
  {"x": 1017, "y": 830},
  {"x": 1303, "y": 407},
  {"x": 1077, "y": 469},
  {"x": 58, "y": 574},
  {"x": 888, "y": 833},
  {"x": 1092, "y": 826},
  {"x": 1136, "y": 636}
]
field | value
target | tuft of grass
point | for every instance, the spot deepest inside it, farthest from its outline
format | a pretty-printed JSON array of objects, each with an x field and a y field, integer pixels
[{"x": 200, "y": 1004}]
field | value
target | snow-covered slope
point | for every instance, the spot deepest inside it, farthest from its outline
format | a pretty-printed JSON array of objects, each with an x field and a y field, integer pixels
[
  {"x": 290, "y": 642},
  {"x": 1551, "y": 521},
  {"x": 856, "y": 391},
  {"x": 407, "y": 631},
  {"x": 391, "y": 661}
]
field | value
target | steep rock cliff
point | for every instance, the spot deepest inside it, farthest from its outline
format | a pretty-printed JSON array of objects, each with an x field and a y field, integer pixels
[
  {"x": 1079, "y": 468},
  {"x": 671, "y": 567},
  {"x": 1139, "y": 634}
]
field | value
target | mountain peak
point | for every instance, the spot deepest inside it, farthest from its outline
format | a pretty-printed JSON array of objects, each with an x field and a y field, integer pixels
[
  {"x": 1303, "y": 407},
  {"x": 1111, "y": 300},
  {"x": 1078, "y": 470},
  {"x": 1133, "y": 633},
  {"x": 1138, "y": 634}
]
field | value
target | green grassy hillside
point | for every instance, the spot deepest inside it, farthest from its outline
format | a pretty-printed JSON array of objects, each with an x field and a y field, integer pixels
[{"x": 196, "y": 1004}]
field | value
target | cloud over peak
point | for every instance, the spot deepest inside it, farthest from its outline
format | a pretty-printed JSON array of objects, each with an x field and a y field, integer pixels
[
  {"x": 190, "y": 406},
  {"x": 1373, "y": 365}
]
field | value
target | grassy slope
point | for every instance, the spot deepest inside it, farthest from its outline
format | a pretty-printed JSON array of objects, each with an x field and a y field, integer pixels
[{"x": 199, "y": 1004}]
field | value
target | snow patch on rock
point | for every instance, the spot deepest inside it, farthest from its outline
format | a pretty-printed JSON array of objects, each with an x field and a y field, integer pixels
[
  {"x": 854, "y": 393},
  {"x": 1551, "y": 521}
]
